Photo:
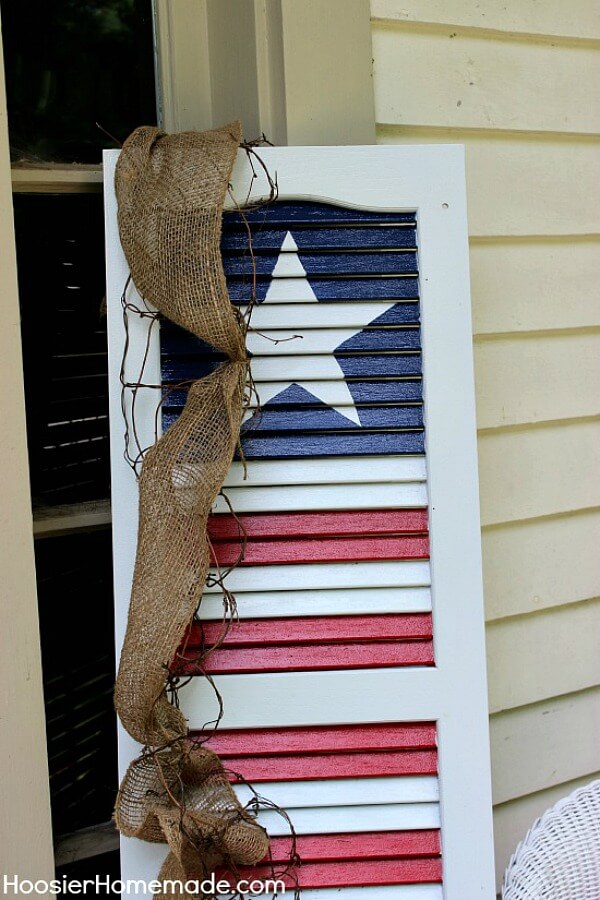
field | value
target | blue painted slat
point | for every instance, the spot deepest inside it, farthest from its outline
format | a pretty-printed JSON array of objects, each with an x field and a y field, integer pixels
[
  {"x": 363, "y": 392},
  {"x": 379, "y": 340},
  {"x": 372, "y": 238},
  {"x": 305, "y": 212},
  {"x": 331, "y": 290},
  {"x": 360, "y": 443},
  {"x": 359, "y": 263},
  {"x": 390, "y": 365},
  {"x": 370, "y": 340},
  {"x": 324, "y": 419}
]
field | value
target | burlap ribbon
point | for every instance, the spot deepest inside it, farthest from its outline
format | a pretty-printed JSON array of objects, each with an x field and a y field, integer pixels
[{"x": 170, "y": 191}]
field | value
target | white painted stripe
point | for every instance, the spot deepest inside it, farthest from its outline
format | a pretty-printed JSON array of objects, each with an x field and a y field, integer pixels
[
  {"x": 324, "y": 496},
  {"x": 380, "y": 892},
  {"x": 327, "y": 575},
  {"x": 318, "y": 315},
  {"x": 352, "y": 819},
  {"x": 297, "y": 368},
  {"x": 346, "y": 791},
  {"x": 343, "y": 470},
  {"x": 275, "y": 604},
  {"x": 350, "y": 697}
]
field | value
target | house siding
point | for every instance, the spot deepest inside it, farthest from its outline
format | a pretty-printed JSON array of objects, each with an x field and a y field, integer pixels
[{"x": 517, "y": 84}]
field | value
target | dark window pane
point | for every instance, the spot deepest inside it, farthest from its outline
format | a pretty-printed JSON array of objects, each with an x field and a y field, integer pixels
[
  {"x": 74, "y": 578},
  {"x": 60, "y": 253},
  {"x": 70, "y": 64},
  {"x": 106, "y": 866}
]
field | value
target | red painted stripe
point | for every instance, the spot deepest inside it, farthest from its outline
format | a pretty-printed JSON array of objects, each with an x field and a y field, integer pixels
[
  {"x": 365, "y": 845},
  {"x": 311, "y": 767},
  {"x": 303, "y": 550},
  {"x": 324, "y": 524},
  {"x": 357, "y": 873},
  {"x": 322, "y": 739},
  {"x": 313, "y": 658},
  {"x": 309, "y": 630}
]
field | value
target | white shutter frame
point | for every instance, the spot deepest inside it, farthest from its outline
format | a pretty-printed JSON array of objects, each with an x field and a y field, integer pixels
[{"x": 429, "y": 179}]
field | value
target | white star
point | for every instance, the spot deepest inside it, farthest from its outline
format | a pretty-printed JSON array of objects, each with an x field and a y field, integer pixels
[{"x": 289, "y": 266}]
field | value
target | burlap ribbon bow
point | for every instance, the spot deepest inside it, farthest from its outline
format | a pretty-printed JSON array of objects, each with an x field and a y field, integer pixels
[{"x": 170, "y": 191}]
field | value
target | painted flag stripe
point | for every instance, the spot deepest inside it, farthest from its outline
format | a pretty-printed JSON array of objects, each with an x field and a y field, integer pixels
[
  {"x": 312, "y": 315},
  {"x": 321, "y": 238},
  {"x": 321, "y": 419},
  {"x": 409, "y": 573},
  {"x": 306, "y": 212},
  {"x": 305, "y": 550},
  {"x": 309, "y": 368},
  {"x": 333, "y": 629},
  {"x": 277, "y": 604},
  {"x": 333, "y": 819},
  {"x": 333, "y": 393},
  {"x": 351, "y": 872},
  {"x": 319, "y": 524},
  {"x": 365, "y": 845},
  {"x": 361, "y": 443},
  {"x": 292, "y": 341},
  {"x": 332, "y": 263},
  {"x": 379, "y": 892},
  {"x": 342, "y": 765},
  {"x": 355, "y": 792},
  {"x": 321, "y": 739},
  {"x": 328, "y": 290},
  {"x": 291, "y": 497},
  {"x": 397, "y": 469},
  {"x": 323, "y": 657}
]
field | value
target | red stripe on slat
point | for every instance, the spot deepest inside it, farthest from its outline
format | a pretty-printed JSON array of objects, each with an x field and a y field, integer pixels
[
  {"x": 312, "y": 767},
  {"x": 303, "y": 550},
  {"x": 356, "y": 872},
  {"x": 407, "y": 626},
  {"x": 313, "y": 658},
  {"x": 366, "y": 845},
  {"x": 322, "y": 739},
  {"x": 303, "y": 524}
]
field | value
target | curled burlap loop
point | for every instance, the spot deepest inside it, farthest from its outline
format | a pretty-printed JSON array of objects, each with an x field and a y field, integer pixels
[
  {"x": 170, "y": 191},
  {"x": 182, "y": 794}
]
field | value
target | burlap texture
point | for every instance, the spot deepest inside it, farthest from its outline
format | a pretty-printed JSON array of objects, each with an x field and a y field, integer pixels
[{"x": 170, "y": 191}]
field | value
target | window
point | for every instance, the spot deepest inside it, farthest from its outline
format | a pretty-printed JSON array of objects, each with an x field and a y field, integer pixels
[{"x": 80, "y": 77}]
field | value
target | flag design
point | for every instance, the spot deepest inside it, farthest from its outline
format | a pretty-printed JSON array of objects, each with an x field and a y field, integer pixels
[{"x": 334, "y": 570}]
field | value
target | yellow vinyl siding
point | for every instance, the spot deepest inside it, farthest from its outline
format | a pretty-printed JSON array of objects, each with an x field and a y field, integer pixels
[
  {"x": 539, "y": 470},
  {"x": 577, "y": 19},
  {"x": 521, "y": 186},
  {"x": 551, "y": 723},
  {"x": 536, "y": 377},
  {"x": 517, "y": 84},
  {"x": 443, "y": 77},
  {"x": 540, "y": 563},
  {"x": 562, "y": 274}
]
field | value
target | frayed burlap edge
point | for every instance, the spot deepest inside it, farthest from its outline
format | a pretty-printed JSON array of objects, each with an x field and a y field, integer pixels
[{"x": 170, "y": 191}]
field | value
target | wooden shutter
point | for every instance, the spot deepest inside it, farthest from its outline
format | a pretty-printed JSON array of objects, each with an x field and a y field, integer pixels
[{"x": 354, "y": 685}]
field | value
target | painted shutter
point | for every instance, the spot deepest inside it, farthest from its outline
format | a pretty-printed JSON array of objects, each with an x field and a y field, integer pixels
[{"x": 354, "y": 683}]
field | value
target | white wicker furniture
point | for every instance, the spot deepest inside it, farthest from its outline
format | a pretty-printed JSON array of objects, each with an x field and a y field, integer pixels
[{"x": 559, "y": 859}]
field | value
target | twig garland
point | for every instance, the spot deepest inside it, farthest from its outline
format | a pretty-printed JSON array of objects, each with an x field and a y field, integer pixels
[{"x": 170, "y": 191}]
